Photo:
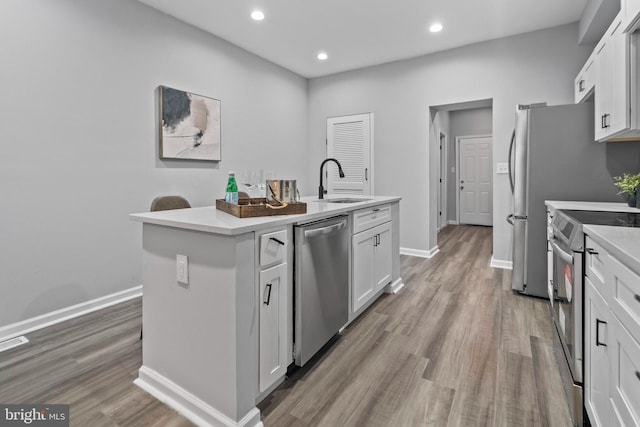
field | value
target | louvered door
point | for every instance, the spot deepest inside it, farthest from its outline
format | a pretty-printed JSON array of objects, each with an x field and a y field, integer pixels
[{"x": 350, "y": 141}]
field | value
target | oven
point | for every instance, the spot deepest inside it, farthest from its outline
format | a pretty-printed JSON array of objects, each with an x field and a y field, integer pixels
[{"x": 567, "y": 250}]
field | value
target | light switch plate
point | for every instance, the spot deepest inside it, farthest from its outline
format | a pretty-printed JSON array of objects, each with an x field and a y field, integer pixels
[
  {"x": 182, "y": 269},
  {"x": 503, "y": 168}
]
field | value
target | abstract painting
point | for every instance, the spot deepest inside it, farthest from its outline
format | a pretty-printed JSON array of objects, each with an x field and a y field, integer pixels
[{"x": 190, "y": 125}]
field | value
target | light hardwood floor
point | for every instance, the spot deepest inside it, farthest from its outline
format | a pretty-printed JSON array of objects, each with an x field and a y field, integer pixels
[{"x": 455, "y": 347}]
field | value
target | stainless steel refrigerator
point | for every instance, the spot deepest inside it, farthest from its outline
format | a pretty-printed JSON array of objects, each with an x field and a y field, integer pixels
[{"x": 552, "y": 156}]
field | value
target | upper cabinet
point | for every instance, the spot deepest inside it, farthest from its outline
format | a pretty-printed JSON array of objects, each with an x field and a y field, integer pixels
[
  {"x": 613, "y": 66},
  {"x": 586, "y": 80},
  {"x": 631, "y": 15}
]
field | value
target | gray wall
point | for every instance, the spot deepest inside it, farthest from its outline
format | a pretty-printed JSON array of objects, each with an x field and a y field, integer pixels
[
  {"x": 533, "y": 67},
  {"x": 476, "y": 121},
  {"x": 78, "y": 114}
]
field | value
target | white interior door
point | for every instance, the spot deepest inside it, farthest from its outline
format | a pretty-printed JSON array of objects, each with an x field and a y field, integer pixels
[
  {"x": 475, "y": 180},
  {"x": 350, "y": 141}
]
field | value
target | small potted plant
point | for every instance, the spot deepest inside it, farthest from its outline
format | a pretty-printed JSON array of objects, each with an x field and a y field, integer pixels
[{"x": 628, "y": 185}]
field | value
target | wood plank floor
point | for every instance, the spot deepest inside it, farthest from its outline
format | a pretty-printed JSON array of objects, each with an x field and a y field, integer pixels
[{"x": 455, "y": 347}]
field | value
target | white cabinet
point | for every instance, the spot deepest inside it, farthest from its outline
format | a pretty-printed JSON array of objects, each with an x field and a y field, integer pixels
[
  {"x": 611, "y": 332},
  {"x": 631, "y": 13},
  {"x": 371, "y": 252},
  {"x": 616, "y": 97},
  {"x": 273, "y": 325},
  {"x": 274, "y": 307},
  {"x": 586, "y": 80},
  {"x": 596, "y": 355}
]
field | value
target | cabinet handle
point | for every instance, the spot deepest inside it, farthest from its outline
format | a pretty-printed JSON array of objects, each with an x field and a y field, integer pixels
[
  {"x": 637, "y": 297},
  {"x": 638, "y": 374},
  {"x": 606, "y": 121},
  {"x": 581, "y": 85},
  {"x": 598, "y": 343},
  {"x": 378, "y": 240},
  {"x": 592, "y": 251},
  {"x": 268, "y": 294},
  {"x": 277, "y": 240},
  {"x": 366, "y": 174},
  {"x": 602, "y": 121}
]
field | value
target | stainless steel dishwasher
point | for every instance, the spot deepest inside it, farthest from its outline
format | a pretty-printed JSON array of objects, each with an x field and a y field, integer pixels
[{"x": 321, "y": 284}]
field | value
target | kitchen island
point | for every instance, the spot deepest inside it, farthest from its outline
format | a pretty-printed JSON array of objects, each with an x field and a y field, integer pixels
[{"x": 212, "y": 345}]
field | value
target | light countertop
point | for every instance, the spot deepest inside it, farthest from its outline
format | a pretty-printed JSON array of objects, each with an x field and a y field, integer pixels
[
  {"x": 623, "y": 243},
  {"x": 211, "y": 220},
  {"x": 591, "y": 206}
]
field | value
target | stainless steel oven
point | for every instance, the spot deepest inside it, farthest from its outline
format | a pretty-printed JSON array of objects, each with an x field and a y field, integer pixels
[{"x": 567, "y": 246}]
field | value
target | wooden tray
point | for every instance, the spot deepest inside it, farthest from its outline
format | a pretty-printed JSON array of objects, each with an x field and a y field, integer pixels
[{"x": 251, "y": 208}]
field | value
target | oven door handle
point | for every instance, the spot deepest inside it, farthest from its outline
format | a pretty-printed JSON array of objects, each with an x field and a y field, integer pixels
[{"x": 565, "y": 256}]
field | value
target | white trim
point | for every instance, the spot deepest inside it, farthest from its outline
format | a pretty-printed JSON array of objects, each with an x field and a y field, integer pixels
[
  {"x": 500, "y": 263},
  {"x": 394, "y": 288},
  {"x": 419, "y": 252},
  {"x": 188, "y": 405},
  {"x": 29, "y": 325}
]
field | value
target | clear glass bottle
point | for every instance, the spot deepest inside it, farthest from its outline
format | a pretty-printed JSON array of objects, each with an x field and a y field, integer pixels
[{"x": 231, "y": 195}]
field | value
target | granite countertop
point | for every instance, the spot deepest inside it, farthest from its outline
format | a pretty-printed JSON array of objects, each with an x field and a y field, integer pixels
[
  {"x": 209, "y": 219},
  {"x": 591, "y": 206},
  {"x": 623, "y": 243}
]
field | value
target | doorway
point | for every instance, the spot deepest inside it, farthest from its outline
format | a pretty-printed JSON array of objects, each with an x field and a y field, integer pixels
[{"x": 475, "y": 183}]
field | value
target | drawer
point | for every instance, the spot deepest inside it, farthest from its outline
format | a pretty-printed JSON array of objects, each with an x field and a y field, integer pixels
[
  {"x": 273, "y": 247},
  {"x": 370, "y": 217},
  {"x": 625, "y": 375},
  {"x": 624, "y": 289},
  {"x": 595, "y": 259}
]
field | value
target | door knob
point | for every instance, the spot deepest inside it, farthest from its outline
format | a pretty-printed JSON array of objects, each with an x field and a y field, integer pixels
[{"x": 462, "y": 187}]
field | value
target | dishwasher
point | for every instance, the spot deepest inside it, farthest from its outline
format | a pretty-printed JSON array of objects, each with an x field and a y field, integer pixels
[{"x": 321, "y": 284}]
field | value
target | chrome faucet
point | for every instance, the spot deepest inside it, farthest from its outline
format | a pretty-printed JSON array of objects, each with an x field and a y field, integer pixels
[{"x": 321, "y": 188}]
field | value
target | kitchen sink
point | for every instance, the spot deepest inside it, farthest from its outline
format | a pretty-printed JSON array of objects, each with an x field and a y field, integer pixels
[{"x": 343, "y": 200}]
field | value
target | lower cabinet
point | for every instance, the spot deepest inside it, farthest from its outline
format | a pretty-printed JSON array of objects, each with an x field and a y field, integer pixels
[
  {"x": 611, "y": 348},
  {"x": 596, "y": 355},
  {"x": 372, "y": 256},
  {"x": 273, "y": 324}
]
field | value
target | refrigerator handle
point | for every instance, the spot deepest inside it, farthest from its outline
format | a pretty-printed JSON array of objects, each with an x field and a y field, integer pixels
[
  {"x": 513, "y": 139},
  {"x": 510, "y": 219}
]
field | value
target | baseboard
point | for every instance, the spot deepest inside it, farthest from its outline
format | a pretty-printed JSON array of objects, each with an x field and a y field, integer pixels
[
  {"x": 452, "y": 222},
  {"x": 498, "y": 263},
  {"x": 48, "y": 319},
  {"x": 419, "y": 252},
  {"x": 188, "y": 405},
  {"x": 394, "y": 288}
]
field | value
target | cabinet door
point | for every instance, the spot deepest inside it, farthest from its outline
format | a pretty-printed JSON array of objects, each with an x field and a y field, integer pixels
[
  {"x": 603, "y": 87},
  {"x": 382, "y": 256},
  {"x": 362, "y": 287},
  {"x": 620, "y": 93},
  {"x": 596, "y": 356},
  {"x": 625, "y": 375},
  {"x": 273, "y": 324}
]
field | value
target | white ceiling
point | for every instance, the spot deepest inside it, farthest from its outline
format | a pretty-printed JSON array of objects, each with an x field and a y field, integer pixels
[{"x": 360, "y": 33}]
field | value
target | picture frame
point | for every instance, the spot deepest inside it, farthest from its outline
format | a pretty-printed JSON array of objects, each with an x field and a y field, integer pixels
[{"x": 189, "y": 125}]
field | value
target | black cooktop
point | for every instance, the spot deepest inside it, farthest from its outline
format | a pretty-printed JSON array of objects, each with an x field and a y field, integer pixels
[{"x": 619, "y": 219}]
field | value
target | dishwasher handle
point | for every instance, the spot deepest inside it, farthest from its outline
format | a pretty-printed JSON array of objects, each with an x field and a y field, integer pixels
[{"x": 325, "y": 230}]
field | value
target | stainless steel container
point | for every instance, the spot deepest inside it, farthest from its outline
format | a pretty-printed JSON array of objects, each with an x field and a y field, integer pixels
[{"x": 282, "y": 190}]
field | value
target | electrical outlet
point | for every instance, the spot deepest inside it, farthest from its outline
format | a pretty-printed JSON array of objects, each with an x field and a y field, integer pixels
[
  {"x": 503, "y": 168},
  {"x": 182, "y": 269}
]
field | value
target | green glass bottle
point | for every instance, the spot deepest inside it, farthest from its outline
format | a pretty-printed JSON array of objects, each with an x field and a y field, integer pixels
[{"x": 232, "y": 189}]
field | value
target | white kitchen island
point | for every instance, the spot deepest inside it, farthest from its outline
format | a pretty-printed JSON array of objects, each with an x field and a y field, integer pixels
[{"x": 204, "y": 345}]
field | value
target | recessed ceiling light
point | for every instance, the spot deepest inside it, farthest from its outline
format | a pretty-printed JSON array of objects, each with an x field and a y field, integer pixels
[
  {"x": 322, "y": 56},
  {"x": 436, "y": 27},
  {"x": 257, "y": 15}
]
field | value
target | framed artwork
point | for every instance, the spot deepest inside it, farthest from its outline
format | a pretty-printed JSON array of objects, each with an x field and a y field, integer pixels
[{"x": 189, "y": 126}]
